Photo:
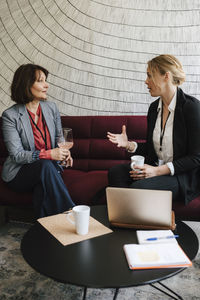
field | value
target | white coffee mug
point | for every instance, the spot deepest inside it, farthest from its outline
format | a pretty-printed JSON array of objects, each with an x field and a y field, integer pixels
[
  {"x": 81, "y": 214},
  {"x": 137, "y": 160}
]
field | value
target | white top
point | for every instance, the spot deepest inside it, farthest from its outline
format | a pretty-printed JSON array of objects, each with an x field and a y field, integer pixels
[{"x": 166, "y": 155}]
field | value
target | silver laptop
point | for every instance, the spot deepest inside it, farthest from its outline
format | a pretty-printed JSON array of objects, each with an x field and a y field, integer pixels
[{"x": 138, "y": 207}]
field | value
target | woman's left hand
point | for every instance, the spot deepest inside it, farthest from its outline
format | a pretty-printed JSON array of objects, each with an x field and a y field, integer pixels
[
  {"x": 69, "y": 160},
  {"x": 146, "y": 171}
]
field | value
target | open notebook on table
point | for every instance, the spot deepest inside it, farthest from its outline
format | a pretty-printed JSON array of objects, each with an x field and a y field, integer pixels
[{"x": 158, "y": 249}]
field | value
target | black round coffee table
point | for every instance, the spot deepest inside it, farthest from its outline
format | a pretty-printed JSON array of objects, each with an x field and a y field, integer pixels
[{"x": 99, "y": 262}]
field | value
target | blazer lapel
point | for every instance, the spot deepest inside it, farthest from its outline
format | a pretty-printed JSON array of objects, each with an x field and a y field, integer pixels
[
  {"x": 25, "y": 121},
  {"x": 179, "y": 130}
]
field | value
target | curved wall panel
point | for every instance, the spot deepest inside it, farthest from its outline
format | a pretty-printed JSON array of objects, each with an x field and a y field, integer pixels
[{"x": 96, "y": 50}]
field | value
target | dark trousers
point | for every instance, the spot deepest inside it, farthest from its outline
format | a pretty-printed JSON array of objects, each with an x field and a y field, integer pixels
[
  {"x": 43, "y": 178},
  {"x": 118, "y": 176}
]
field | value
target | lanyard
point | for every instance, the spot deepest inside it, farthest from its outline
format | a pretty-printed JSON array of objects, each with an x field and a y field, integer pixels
[
  {"x": 43, "y": 122},
  {"x": 162, "y": 130}
]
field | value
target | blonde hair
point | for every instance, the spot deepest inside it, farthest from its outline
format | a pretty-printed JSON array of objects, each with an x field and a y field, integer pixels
[{"x": 167, "y": 63}]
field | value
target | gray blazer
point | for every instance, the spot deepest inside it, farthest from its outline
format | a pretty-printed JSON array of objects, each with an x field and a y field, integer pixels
[{"x": 18, "y": 135}]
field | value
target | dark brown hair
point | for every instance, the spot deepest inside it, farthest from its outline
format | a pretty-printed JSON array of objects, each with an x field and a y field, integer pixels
[{"x": 23, "y": 79}]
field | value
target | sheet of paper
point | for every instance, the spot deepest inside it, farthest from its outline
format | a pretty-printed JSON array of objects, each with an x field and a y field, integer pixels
[{"x": 143, "y": 235}]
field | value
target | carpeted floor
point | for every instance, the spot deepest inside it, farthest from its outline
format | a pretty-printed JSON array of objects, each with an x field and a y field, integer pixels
[{"x": 18, "y": 281}]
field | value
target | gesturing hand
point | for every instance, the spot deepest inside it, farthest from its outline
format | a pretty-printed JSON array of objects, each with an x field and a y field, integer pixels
[{"x": 121, "y": 140}]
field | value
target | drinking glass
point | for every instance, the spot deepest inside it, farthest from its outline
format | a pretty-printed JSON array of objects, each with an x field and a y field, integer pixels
[{"x": 65, "y": 140}]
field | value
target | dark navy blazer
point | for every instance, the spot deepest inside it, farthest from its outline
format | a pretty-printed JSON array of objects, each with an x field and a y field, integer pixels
[{"x": 186, "y": 143}]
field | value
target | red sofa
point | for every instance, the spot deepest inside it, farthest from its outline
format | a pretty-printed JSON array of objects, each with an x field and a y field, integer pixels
[{"x": 93, "y": 155}]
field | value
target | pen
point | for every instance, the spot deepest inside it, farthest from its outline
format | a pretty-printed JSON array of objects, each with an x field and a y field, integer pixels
[{"x": 162, "y": 237}]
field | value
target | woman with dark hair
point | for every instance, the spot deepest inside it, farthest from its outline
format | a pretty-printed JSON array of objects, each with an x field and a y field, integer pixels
[
  {"x": 172, "y": 152},
  {"x": 31, "y": 128}
]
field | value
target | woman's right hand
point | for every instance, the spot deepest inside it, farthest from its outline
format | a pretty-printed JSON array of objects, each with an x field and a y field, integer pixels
[
  {"x": 120, "y": 139},
  {"x": 59, "y": 153}
]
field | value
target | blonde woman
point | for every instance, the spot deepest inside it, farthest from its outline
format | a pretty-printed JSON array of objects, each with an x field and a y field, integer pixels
[{"x": 172, "y": 152}]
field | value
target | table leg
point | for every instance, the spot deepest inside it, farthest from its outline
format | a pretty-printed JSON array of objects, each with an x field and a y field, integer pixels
[
  {"x": 116, "y": 293},
  {"x": 114, "y": 298},
  {"x": 84, "y": 293},
  {"x": 176, "y": 296}
]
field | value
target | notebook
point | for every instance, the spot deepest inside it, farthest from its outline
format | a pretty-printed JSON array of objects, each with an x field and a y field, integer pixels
[
  {"x": 139, "y": 208},
  {"x": 156, "y": 256}
]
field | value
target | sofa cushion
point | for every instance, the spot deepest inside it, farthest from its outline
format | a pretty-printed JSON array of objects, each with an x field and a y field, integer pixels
[
  {"x": 191, "y": 211},
  {"x": 83, "y": 186},
  {"x": 9, "y": 197},
  {"x": 92, "y": 150}
]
